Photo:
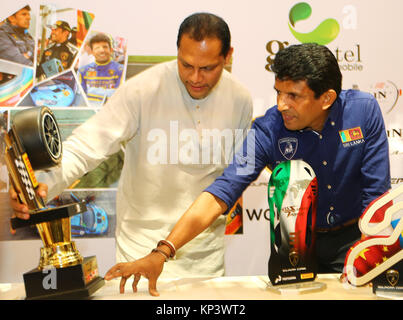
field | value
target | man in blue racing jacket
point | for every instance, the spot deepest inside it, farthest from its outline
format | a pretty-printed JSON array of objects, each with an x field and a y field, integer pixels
[
  {"x": 16, "y": 44},
  {"x": 100, "y": 78}
]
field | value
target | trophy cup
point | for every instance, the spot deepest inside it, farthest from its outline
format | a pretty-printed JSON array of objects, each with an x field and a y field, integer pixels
[
  {"x": 292, "y": 198},
  {"x": 34, "y": 143},
  {"x": 378, "y": 258}
]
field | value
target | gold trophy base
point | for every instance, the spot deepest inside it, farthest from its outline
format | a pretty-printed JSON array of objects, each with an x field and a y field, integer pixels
[
  {"x": 79, "y": 281},
  {"x": 60, "y": 255}
]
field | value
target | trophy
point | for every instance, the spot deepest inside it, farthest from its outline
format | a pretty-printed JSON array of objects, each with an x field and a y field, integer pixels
[
  {"x": 292, "y": 198},
  {"x": 34, "y": 143},
  {"x": 378, "y": 257}
]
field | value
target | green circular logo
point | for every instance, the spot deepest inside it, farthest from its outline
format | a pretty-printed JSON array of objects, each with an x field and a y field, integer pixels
[{"x": 323, "y": 34}]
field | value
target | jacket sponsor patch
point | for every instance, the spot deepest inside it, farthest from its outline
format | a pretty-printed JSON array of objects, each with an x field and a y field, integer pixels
[{"x": 351, "y": 136}]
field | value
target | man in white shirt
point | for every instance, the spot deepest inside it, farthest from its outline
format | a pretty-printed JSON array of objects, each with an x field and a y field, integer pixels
[{"x": 180, "y": 122}]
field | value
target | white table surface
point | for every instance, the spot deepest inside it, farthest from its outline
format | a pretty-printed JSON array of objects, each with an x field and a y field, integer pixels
[{"x": 222, "y": 288}]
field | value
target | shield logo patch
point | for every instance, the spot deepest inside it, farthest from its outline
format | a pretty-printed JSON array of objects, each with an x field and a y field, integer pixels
[
  {"x": 294, "y": 258},
  {"x": 288, "y": 147},
  {"x": 393, "y": 277}
]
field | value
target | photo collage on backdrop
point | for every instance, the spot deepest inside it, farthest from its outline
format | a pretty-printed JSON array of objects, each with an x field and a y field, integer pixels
[{"x": 50, "y": 56}]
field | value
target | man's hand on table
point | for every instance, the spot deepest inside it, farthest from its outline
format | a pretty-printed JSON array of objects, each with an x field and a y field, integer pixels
[{"x": 149, "y": 266}]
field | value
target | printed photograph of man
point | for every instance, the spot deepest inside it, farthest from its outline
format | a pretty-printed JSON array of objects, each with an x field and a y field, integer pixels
[
  {"x": 100, "y": 78},
  {"x": 60, "y": 54},
  {"x": 16, "y": 43}
]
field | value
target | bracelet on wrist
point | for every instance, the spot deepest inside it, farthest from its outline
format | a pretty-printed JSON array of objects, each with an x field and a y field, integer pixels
[
  {"x": 161, "y": 252},
  {"x": 170, "y": 245}
]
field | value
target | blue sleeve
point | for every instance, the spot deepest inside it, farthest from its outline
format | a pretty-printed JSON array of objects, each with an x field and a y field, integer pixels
[
  {"x": 120, "y": 73},
  {"x": 375, "y": 171},
  {"x": 81, "y": 73},
  {"x": 246, "y": 166}
]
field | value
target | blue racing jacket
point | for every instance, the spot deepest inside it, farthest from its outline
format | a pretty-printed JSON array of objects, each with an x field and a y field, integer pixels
[
  {"x": 14, "y": 43},
  {"x": 100, "y": 81}
]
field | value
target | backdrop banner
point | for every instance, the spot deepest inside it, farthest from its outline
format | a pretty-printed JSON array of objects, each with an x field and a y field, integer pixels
[{"x": 363, "y": 35}]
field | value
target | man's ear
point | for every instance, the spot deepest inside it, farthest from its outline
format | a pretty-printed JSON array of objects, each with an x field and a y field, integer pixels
[
  {"x": 229, "y": 56},
  {"x": 328, "y": 98},
  {"x": 12, "y": 20}
]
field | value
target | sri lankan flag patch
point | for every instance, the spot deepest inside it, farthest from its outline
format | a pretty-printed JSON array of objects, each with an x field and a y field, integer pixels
[{"x": 351, "y": 137}]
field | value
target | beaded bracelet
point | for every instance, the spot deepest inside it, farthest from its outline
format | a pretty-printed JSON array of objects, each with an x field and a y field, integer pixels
[
  {"x": 161, "y": 252},
  {"x": 170, "y": 245}
]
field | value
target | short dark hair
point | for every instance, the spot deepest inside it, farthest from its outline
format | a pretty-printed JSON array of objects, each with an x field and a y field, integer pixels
[
  {"x": 206, "y": 25},
  {"x": 27, "y": 7},
  {"x": 311, "y": 62},
  {"x": 100, "y": 37}
]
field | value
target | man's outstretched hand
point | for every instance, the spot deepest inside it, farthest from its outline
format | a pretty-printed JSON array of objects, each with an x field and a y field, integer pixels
[{"x": 149, "y": 266}]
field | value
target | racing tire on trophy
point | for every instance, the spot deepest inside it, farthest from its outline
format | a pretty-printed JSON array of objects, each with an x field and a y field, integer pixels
[{"x": 39, "y": 135}]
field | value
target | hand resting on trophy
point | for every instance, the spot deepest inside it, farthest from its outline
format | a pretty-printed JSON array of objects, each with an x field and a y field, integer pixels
[{"x": 20, "y": 210}]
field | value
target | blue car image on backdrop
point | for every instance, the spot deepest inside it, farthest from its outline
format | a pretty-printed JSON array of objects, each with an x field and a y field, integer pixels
[
  {"x": 94, "y": 221},
  {"x": 53, "y": 93}
]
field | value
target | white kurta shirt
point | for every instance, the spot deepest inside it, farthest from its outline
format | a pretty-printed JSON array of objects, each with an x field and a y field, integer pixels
[{"x": 166, "y": 165}]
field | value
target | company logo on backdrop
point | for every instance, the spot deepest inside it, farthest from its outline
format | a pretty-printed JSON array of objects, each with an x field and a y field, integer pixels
[
  {"x": 396, "y": 180},
  {"x": 396, "y": 133},
  {"x": 395, "y": 138},
  {"x": 256, "y": 214},
  {"x": 387, "y": 94},
  {"x": 326, "y": 32},
  {"x": 323, "y": 34}
]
